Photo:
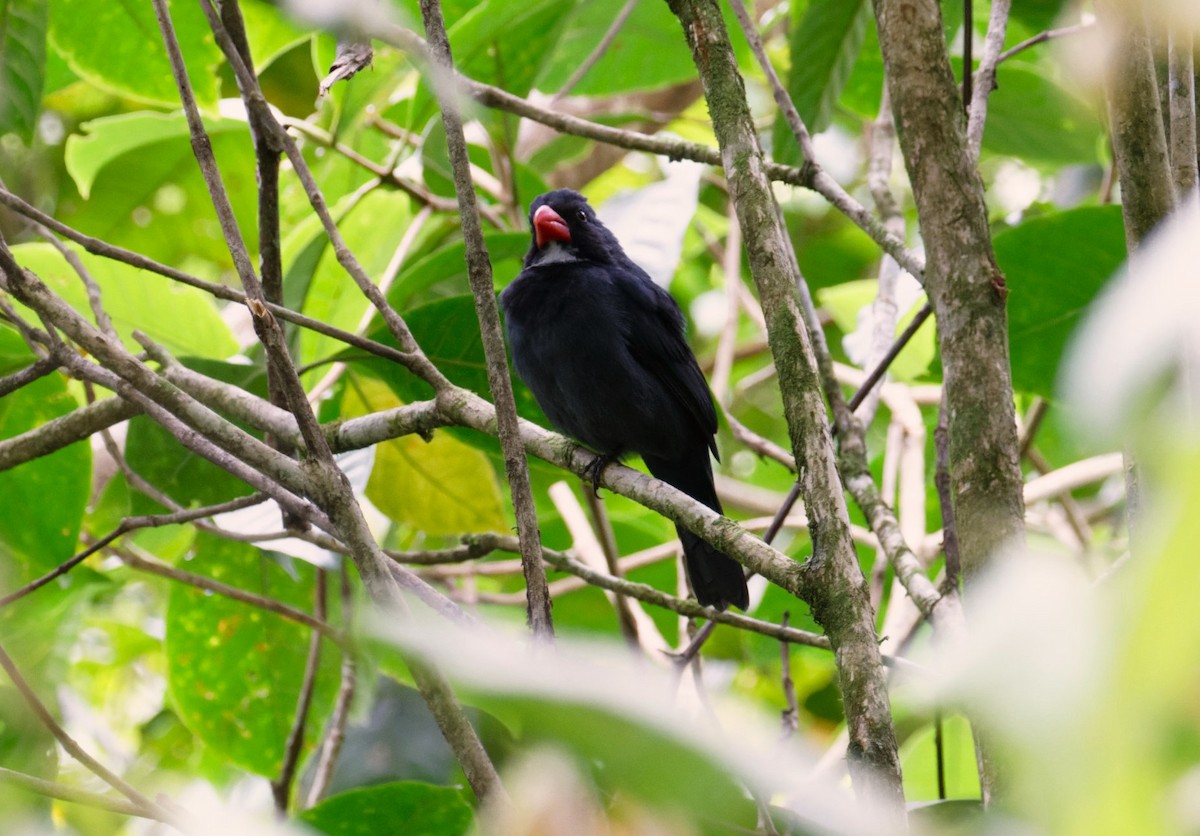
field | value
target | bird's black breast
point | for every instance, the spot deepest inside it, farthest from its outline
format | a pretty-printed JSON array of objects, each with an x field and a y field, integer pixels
[{"x": 572, "y": 329}]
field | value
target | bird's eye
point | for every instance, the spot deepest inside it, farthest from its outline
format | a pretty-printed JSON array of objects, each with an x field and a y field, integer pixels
[{"x": 582, "y": 215}]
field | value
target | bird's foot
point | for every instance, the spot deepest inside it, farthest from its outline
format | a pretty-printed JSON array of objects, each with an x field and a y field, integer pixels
[{"x": 594, "y": 469}]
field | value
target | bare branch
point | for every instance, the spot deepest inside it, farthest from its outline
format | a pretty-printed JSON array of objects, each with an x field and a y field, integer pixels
[
  {"x": 281, "y": 786},
  {"x": 479, "y": 271},
  {"x": 50, "y": 789},
  {"x": 149, "y": 809},
  {"x": 985, "y": 76}
]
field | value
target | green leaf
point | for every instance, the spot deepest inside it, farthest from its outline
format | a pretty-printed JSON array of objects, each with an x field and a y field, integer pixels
[
  {"x": 149, "y": 195},
  {"x": 1054, "y": 266},
  {"x": 234, "y": 670},
  {"x": 508, "y": 42},
  {"x": 648, "y": 53},
  {"x": 1031, "y": 117},
  {"x": 44, "y": 499},
  {"x": 105, "y": 140},
  {"x": 371, "y": 228},
  {"x": 408, "y": 807},
  {"x": 1038, "y": 15},
  {"x": 439, "y": 486},
  {"x": 918, "y": 759},
  {"x": 118, "y": 46},
  {"x": 183, "y": 319},
  {"x": 506, "y": 250},
  {"x": 844, "y": 301},
  {"x": 824, "y": 47},
  {"x": 448, "y": 332},
  {"x": 269, "y": 31},
  {"x": 22, "y": 65}
]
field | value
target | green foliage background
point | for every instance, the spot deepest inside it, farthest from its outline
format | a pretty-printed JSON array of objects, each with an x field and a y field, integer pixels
[{"x": 188, "y": 686}]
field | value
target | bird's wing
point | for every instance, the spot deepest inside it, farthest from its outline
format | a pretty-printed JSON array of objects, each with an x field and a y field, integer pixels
[{"x": 655, "y": 337}]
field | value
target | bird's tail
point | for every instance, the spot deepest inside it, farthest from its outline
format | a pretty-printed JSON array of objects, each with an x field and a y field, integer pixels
[{"x": 717, "y": 579}]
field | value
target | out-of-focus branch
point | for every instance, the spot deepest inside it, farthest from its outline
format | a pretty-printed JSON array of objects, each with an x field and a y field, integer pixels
[
  {"x": 835, "y": 587},
  {"x": 985, "y": 76},
  {"x": 148, "y": 808},
  {"x": 1181, "y": 96},
  {"x": 1139, "y": 141}
]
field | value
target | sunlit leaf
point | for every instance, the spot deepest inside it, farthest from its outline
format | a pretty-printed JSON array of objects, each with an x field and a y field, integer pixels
[
  {"x": 439, "y": 485},
  {"x": 402, "y": 807},
  {"x": 235, "y": 670},
  {"x": 182, "y": 319},
  {"x": 1054, "y": 266},
  {"x": 22, "y": 65},
  {"x": 44, "y": 498},
  {"x": 130, "y": 58},
  {"x": 824, "y": 46},
  {"x": 149, "y": 194}
]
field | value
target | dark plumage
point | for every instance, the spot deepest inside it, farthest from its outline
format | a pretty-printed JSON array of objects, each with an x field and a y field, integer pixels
[{"x": 602, "y": 349}]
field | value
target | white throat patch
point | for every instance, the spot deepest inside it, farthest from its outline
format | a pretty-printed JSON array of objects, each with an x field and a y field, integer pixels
[{"x": 555, "y": 253}]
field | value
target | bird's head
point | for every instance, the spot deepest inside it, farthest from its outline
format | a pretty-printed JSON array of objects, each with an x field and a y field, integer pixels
[{"x": 565, "y": 228}]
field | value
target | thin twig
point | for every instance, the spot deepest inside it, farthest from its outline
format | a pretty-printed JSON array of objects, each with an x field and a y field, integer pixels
[
  {"x": 127, "y": 525},
  {"x": 62, "y": 792},
  {"x": 281, "y": 787},
  {"x": 335, "y": 733},
  {"x": 790, "y": 716},
  {"x": 35, "y": 371},
  {"x": 479, "y": 271},
  {"x": 1042, "y": 37},
  {"x": 607, "y": 541},
  {"x": 388, "y": 174},
  {"x": 150, "y": 809},
  {"x": 985, "y": 76},
  {"x": 880, "y": 370}
]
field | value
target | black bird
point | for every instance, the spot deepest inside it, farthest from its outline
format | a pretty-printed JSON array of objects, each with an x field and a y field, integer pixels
[{"x": 602, "y": 348}]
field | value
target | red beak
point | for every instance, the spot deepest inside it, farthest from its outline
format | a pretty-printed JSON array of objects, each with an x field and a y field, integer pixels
[{"x": 548, "y": 226}]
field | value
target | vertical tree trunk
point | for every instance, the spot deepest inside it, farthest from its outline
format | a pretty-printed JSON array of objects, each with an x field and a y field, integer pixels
[
  {"x": 834, "y": 585},
  {"x": 961, "y": 277}
]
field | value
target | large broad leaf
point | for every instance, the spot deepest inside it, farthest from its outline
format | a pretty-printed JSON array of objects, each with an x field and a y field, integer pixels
[
  {"x": 182, "y": 319},
  {"x": 118, "y": 46},
  {"x": 508, "y": 42},
  {"x": 499, "y": 41},
  {"x": 269, "y": 31},
  {"x": 145, "y": 188},
  {"x": 408, "y": 807},
  {"x": 44, "y": 499},
  {"x": 22, "y": 65},
  {"x": 439, "y": 486},
  {"x": 372, "y": 230},
  {"x": 448, "y": 265},
  {"x": 824, "y": 46},
  {"x": 234, "y": 671},
  {"x": 918, "y": 758},
  {"x": 1054, "y": 266},
  {"x": 1031, "y": 117},
  {"x": 648, "y": 53}
]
